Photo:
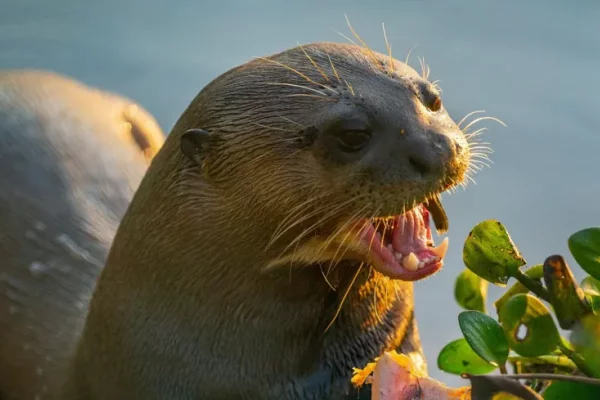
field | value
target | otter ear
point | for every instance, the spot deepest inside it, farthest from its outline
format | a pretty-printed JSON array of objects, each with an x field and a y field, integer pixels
[{"x": 194, "y": 143}]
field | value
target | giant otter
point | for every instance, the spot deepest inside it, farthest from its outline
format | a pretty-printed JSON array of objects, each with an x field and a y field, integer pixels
[
  {"x": 71, "y": 158},
  {"x": 270, "y": 246}
]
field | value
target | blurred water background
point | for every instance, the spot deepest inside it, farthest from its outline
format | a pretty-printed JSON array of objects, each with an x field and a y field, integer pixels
[{"x": 534, "y": 64}]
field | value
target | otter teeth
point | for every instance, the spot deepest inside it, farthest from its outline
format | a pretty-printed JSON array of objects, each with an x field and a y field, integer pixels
[
  {"x": 411, "y": 262},
  {"x": 430, "y": 260},
  {"x": 440, "y": 250},
  {"x": 398, "y": 257}
]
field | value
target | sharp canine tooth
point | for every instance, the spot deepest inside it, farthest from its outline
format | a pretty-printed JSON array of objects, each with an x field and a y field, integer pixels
[
  {"x": 411, "y": 262},
  {"x": 441, "y": 250}
]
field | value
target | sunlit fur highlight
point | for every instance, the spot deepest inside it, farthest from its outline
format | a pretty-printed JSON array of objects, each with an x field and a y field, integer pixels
[
  {"x": 479, "y": 158},
  {"x": 276, "y": 208}
]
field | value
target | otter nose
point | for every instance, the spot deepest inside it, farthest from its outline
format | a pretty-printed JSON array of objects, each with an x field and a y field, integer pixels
[
  {"x": 427, "y": 154},
  {"x": 422, "y": 163}
]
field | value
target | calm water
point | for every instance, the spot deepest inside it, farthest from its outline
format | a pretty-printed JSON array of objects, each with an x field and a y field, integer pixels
[{"x": 534, "y": 64}]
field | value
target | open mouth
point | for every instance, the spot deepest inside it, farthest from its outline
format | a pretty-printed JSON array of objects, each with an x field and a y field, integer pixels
[{"x": 401, "y": 247}]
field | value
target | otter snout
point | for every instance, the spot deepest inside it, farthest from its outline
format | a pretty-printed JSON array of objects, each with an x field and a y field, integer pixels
[
  {"x": 429, "y": 154},
  {"x": 424, "y": 155}
]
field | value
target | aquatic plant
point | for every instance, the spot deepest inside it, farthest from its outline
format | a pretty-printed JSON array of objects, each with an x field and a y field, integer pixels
[{"x": 525, "y": 335}]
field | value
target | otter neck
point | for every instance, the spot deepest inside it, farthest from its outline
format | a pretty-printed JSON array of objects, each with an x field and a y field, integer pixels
[{"x": 199, "y": 277}]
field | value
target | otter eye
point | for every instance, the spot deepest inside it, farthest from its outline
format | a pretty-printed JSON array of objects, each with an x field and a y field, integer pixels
[
  {"x": 353, "y": 140},
  {"x": 435, "y": 104}
]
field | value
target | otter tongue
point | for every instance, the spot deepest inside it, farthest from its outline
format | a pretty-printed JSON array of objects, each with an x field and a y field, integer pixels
[
  {"x": 410, "y": 237},
  {"x": 438, "y": 214},
  {"x": 411, "y": 232}
]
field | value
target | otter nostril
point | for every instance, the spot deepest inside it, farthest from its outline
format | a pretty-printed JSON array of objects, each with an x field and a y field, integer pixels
[
  {"x": 420, "y": 166},
  {"x": 458, "y": 147}
]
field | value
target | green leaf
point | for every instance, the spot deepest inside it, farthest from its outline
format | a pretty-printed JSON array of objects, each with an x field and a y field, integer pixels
[
  {"x": 528, "y": 325},
  {"x": 585, "y": 247},
  {"x": 457, "y": 357},
  {"x": 470, "y": 291},
  {"x": 572, "y": 390},
  {"x": 536, "y": 273},
  {"x": 591, "y": 285},
  {"x": 591, "y": 288},
  {"x": 485, "y": 336},
  {"x": 586, "y": 342},
  {"x": 565, "y": 295},
  {"x": 490, "y": 252},
  {"x": 594, "y": 301}
]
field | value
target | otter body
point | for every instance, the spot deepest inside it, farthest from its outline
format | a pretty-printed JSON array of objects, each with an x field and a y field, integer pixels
[
  {"x": 238, "y": 271},
  {"x": 71, "y": 158}
]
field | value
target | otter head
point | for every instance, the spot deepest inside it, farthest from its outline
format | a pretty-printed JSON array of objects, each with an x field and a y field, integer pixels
[{"x": 342, "y": 151}]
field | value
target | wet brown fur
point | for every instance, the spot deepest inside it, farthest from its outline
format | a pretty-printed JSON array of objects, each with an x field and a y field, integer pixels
[
  {"x": 71, "y": 157},
  {"x": 190, "y": 304}
]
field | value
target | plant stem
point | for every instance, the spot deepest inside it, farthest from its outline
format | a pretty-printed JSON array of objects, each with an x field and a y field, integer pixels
[
  {"x": 559, "y": 361},
  {"x": 503, "y": 369},
  {"x": 567, "y": 350},
  {"x": 557, "y": 377},
  {"x": 535, "y": 287}
]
